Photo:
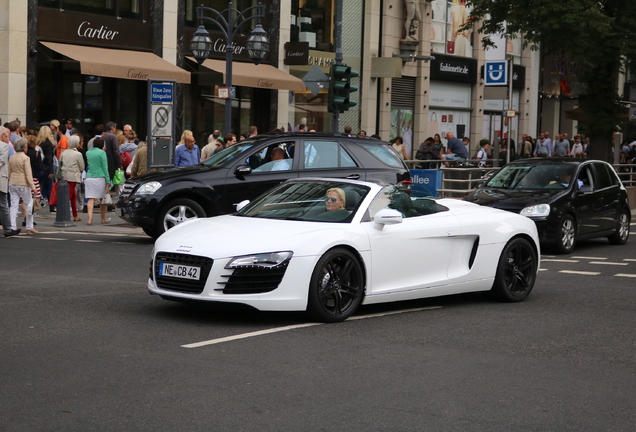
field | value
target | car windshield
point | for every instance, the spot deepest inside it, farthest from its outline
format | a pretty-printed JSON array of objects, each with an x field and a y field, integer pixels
[
  {"x": 316, "y": 201},
  {"x": 533, "y": 176},
  {"x": 233, "y": 152}
]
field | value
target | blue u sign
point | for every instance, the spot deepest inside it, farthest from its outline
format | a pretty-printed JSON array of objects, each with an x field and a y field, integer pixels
[{"x": 496, "y": 73}]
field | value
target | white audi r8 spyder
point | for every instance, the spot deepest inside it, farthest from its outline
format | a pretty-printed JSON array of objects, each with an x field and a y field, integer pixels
[{"x": 326, "y": 246}]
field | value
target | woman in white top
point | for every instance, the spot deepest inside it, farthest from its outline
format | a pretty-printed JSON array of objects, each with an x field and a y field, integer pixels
[{"x": 398, "y": 145}]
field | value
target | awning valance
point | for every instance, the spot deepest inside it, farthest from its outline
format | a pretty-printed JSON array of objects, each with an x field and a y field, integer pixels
[
  {"x": 257, "y": 76},
  {"x": 125, "y": 64}
]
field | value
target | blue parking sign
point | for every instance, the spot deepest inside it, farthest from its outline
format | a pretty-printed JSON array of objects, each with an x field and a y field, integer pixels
[{"x": 496, "y": 73}]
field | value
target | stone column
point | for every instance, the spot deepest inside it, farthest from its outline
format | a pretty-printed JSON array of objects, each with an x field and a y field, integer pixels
[{"x": 13, "y": 67}]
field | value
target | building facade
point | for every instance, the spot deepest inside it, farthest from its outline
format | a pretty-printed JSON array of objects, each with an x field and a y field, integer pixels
[{"x": 420, "y": 72}]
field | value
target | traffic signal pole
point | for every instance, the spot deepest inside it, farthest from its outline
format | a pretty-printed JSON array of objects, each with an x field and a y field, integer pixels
[{"x": 335, "y": 122}]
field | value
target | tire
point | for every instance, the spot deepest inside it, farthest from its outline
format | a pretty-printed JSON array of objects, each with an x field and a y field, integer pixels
[
  {"x": 516, "y": 271},
  {"x": 151, "y": 232},
  {"x": 176, "y": 212},
  {"x": 621, "y": 235},
  {"x": 336, "y": 287},
  {"x": 566, "y": 236}
]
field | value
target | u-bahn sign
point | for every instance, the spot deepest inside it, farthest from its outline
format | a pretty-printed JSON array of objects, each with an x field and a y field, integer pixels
[{"x": 161, "y": 123}]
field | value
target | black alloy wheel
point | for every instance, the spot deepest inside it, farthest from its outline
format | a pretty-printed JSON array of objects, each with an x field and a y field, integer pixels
[
  {"x": 567, "y": 235},
  {"x": 336, "y": 287},
  {"x": 516, "y": 271},
  {"x": 621, "y": 235}
]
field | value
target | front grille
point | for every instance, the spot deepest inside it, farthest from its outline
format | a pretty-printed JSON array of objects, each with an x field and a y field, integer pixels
[
  {"x": 127, "y": 189},
  {"x": 253, "y": 280},
  {"x": 178, "y": 284}
]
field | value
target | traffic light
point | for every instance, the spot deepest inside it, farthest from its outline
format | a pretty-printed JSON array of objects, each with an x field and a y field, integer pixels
[{"x": 340, "y": 88}]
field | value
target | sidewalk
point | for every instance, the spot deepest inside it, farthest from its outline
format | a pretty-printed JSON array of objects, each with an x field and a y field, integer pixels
[{"x": 45, "y": 220}]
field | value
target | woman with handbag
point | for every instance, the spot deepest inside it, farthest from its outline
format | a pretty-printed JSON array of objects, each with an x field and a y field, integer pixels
[
  {"x": 45, "y": 141},
  {"x": 97, "y": 181},
  {"x": 72, "y": 165},
  {"x": 21, "y": 184}
]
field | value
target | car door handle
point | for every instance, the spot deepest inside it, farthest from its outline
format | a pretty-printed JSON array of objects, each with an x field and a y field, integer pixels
[{"x": 353, "y": 177}]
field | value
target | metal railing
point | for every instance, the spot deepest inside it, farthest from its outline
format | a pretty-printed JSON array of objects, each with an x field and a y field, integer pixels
[
  {"x": 627, "y": 173},
  {"x": 456, "y": 181}
]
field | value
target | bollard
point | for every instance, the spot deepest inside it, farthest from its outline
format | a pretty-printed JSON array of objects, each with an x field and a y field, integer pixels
[{"x": 63, "y": 215}]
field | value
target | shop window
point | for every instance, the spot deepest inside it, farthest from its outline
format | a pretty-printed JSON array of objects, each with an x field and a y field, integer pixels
[
  {"x": 219, "y": 6},
  {"x": 446, "y": 34},
  {"x": 132, "y": 9},
  {"x": 312, "y": 22}
]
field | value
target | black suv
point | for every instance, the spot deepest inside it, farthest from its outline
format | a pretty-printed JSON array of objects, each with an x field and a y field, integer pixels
[{"x": 160, "y": 200}]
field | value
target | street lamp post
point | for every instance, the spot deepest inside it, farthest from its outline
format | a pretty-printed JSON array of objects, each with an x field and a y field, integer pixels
[{"x": 230, "y": 21}]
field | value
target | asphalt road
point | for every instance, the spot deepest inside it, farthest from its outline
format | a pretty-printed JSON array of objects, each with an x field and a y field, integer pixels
[{"x": 85, "y": 348}]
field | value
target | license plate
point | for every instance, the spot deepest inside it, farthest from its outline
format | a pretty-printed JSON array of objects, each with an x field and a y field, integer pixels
[
  {"x": 119, "y": 212},
  {"x": 179, "y": 271}
]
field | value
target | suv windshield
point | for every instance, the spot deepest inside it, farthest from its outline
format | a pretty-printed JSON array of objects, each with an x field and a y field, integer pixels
[
  {"x": 233, "y": 152},
  {"x": 309, "y": 201},
  {"x": 540, "y": 176}
]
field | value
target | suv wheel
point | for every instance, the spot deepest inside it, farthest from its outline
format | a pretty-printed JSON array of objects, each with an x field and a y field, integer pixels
[{"x": 176, "y": 212}]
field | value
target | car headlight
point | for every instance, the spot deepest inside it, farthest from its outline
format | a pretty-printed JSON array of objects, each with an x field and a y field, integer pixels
[
  {"x": 263, "y": 260},
  {"x": 536, "y": 210},
  {"x": 148, "y": 188}
]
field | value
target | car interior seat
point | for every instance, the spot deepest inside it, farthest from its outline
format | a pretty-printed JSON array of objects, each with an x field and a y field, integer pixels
[{"x": 402, "y": 203}]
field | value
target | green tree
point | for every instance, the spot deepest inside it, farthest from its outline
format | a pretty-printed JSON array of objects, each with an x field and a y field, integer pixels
[{"x": 600, "y": 35}]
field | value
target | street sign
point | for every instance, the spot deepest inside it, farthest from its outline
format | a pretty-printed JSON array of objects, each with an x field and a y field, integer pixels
[
  {"x": 315, "y": 80},
  {"x": 511, "y": 113},
  {"x": 496, "y": 73},
  {"x": 161, "y": 123}
]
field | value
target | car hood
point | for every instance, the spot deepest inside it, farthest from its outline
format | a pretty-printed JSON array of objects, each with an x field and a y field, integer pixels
[
  {"x": 172, "y": 172},
  {"x": 230, "y": 235},
  {"x": 512, "y": 199}
]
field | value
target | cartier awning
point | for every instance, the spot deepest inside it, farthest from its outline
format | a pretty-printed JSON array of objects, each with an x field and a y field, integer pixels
[
  {"x": 125, "y": 64},
  {"x": 258, "y": 76}
]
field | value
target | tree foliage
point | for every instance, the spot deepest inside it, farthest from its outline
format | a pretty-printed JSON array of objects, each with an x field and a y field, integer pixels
[{"x": 599, "y": 35}]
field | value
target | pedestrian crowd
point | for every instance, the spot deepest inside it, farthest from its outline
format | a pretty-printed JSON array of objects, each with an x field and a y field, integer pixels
[
  {"x": 33, "y": 162},
  {"x": 456, "y": 150}
]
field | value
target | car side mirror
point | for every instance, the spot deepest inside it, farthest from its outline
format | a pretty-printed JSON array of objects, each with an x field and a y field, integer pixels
[
  {"x": 386, "y": 216},
  {"x": 243, "y": 170},
  {"x": 242, "y": 205}
]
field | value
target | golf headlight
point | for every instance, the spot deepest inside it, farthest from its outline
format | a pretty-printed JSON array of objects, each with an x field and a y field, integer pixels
[
  {"x": 148, "y": 188},
  {"x": 264, "y": 260},
  {"x": 536, "y": 210}
]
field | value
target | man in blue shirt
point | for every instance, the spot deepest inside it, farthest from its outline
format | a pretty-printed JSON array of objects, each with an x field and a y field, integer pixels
[
  {"x": 455, "y": 149},
  {"x": 187, "y": 154}
]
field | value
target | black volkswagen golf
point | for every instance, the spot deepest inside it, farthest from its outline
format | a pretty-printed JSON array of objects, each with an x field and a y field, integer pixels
[
  {"x": 569, "y": 199},
  {"x": 160, "y": 200}
]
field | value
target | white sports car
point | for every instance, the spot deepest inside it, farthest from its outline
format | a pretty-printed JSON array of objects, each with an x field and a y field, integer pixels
[{"x": 326, "y": 246}]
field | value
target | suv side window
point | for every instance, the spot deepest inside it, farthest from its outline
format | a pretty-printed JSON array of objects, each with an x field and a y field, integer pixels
[
  {"x": 384, "y": 154},
  {"x": 326, "y": 154}
]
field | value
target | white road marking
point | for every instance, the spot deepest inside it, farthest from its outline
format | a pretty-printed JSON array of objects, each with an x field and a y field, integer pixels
[
  {"x": 294, "y": 327},
  {"x": 608, "y": 263},
  {"x": 629, "y": 259},
  {"x": 542, "y": 269},
  {"x": 90, "y": 241},
  {"x": 559, "y": 260},
  {"x": 580, "y": 272},
  {"x": 626, "y": 275},
  {"x": 589, "y": 258},
  {"x": 547, "y": 256},
  {"x": 50, "y": 238}
]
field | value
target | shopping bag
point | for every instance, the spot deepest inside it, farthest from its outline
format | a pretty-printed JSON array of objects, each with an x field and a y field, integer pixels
[
  {"x": 461, "y": 127},
  {"x": 433, "y": 125},
  {"x": 118, "y": 178},
  {"x": 53, "y": 195}
]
